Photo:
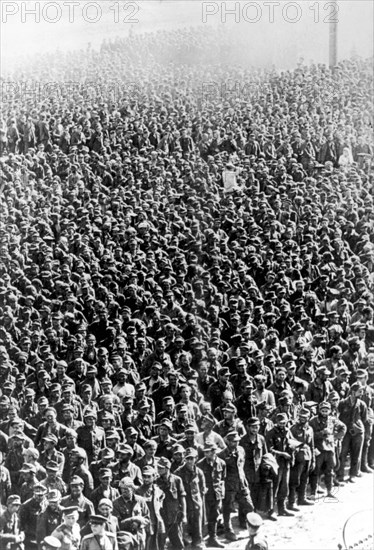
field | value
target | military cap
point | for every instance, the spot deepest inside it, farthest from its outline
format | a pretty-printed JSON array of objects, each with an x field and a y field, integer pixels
[
  {"x": 210, "y": 446},
  {"x": 191, "y": 453},
  {"x": 254, "y": 520},
  {"x": 112, "y": 434},
  {"x": 150, "y": 443},
  {"x": 190, "y": 428},
  {"x": 52, "y": 466},
  {"x": 105, "y": 472},
  {"x": 13, "y": 499},
  {"x": 281, "y": 416},
  {"x": 51, "y": 543},
  {"x": 164, "y": 463},
  {"x": 253, "y": 421},
  {"x": 131, "y": 431},
  {"x": 323, "y": 370},
  {"x": 148, "y": 470},
  {"x": 106, "y": 502},
  {"x": 28, "y": 468},
  {"x": 232, "y": 436},
  {"x": 97, "y": 519},
  {"x": 39, "y": 488},
  {"x": 324, "y": 405},
  {"x": 69, "y": 510},
  {"x": 79, "y": 452},
  {"x": 178, "y": 448},
  {"x": 51, "y": 438},
  {"x": 167, "y": 424},
  {"x": 76, "y": 480},
  {"x": 360, "y": 373},
  {"x": 89, "y": 413},
  {"x": 208, "y": 416},
  {"x": 54, "y": 495},
  {"x": 125, "y": 450}
]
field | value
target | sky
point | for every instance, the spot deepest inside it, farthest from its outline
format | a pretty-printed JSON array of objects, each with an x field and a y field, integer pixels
[{"x": 279, "y": 32}]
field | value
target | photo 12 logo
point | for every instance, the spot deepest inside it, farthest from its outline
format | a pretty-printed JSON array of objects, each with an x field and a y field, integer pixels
[
  {"x": 69, "y": 12},
  {"x": 269, "y": 12}
]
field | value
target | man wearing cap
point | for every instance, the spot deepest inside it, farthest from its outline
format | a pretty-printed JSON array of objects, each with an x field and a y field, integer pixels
[
  {"x": 208, "y": 435},
  {"x": 327, "y": 430},
  {"x": 78, "y": 468},
  {"x": 100, "y": 538},
  {"x": 194, "y": 484},
  {"x": 279, "y": 442},
  {"x": 320, "y": 388},
  {"x": 125, "y": 467},
  {"x": 50, "y": 453},
  {"x": 51, "y": 518},
  {"x": 353, "y": 412},
  {"x": 49, "y": 427},
  {"x": 28, "y": 472},
  {"x": 256, "y": 540},
  {"x": 164, "y": 440},
  {"x": 50, "y": 543},
  {"x": 254, "y": 446},
  {"x": 78, "y": 500},
  {"x": 368, "y": 399},
  {"x": 11, "y": 536},
  {"x": 154, "y": 497},
  {"x": 29, "y": 513},
  {"x": 91, "y": 437},
  {"x": 214, "y": 469},
  {"x": 105, "y": 489},
  {"x": 236, "y": 484},
  {"x": 68, "y": 532},
  {"x": 216, "y": 390},
  {"x": 174, "y": 505},
  {"x": 53, "y": 479},
  {"x": 340, "y": 381},
  {"x": 128, "y": 504},
  {"x": 304, "y": 460}
]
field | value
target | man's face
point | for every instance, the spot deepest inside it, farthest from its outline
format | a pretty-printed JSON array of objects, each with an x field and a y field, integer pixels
[
  {"x": 76, "y": 490},
  {"x": 254, "y": 429}
]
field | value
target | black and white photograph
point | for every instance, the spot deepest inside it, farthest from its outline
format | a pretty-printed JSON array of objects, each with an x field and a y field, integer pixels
[{"x": 186, "y": 275}]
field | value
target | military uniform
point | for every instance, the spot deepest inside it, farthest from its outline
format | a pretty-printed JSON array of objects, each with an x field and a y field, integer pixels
[
  {"x": 108, "y": 541},
  {"x": 215, "y": 475},
  {"x": 47, "y": 522},
  {"x": 194, "y": 484},
  {"x": 172, "y": 508},
  {"x": 156, "y": 530},
  {"x": 236, "y": 487},
  {"x": 68, "y": 536},
  {"x": 304, "y": 459},
  {"x": 29, "y": 513},
  {"x": 9, "y": 531},
  {"x": 85, "y": 507}
]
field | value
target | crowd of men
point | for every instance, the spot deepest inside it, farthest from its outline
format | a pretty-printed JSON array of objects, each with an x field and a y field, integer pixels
[{"x": 186, "y": 294}]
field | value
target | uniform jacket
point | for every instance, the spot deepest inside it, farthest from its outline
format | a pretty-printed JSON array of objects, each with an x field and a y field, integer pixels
[
  {"x": 68, "y": 536},
  {"x": 107, "y": 542},
  {"x": 123, "y": 509},
  {"x": 304, "y": 434},
  {"x": 154, "y": 498},
  {"x": 174, "y": 492},
  {"x": 194, "y": 485},
  {"x": 353, "y": 415},
  {"x": 235, "y": 476},
  {"x": 215, "y": 475},
  {"x": 326, "y": 432},
  {"x": 254, "y": 452}
]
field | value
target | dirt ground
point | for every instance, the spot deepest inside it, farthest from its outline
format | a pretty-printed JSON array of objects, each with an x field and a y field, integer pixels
[{"x": 320, "y": 527}]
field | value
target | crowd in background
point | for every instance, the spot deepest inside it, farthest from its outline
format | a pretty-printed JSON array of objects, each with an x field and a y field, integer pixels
[{"x": 186, "y": 293}]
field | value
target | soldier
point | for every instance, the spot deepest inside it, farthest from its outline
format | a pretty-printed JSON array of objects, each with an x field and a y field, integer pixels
[
  {"x": 90, "y": 437},
  {"x": 154, "y": 497},
  {"x": 68, "y": 532},
  {"x": 104, "y": 490},
  {"x": 53, "y": 479},
  {"x": 214, "y": 469},
  {"x": 353, "y": 412},
  {"x": 100, "y": 538},
  {"x": 51, "y": 518},
  {"x": 129, "y": 505},
  {"x": 77, "y": 499},
  {"x": 278, "y": 441},
  {"x": 254, "y": 446},
  {"x": 327, "y": 429},
  {"x": 194, "y": 484},
  {"x": 256, "y": 540},
  {"x": 28, "y": 472},
  {"x": 29, "y": 513},
  {"x": 174, "y": 504},
  {"x": 304, "y": 460},
  {"x": 236, "y": 484},
  {"x": 11, "y": 536}
]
